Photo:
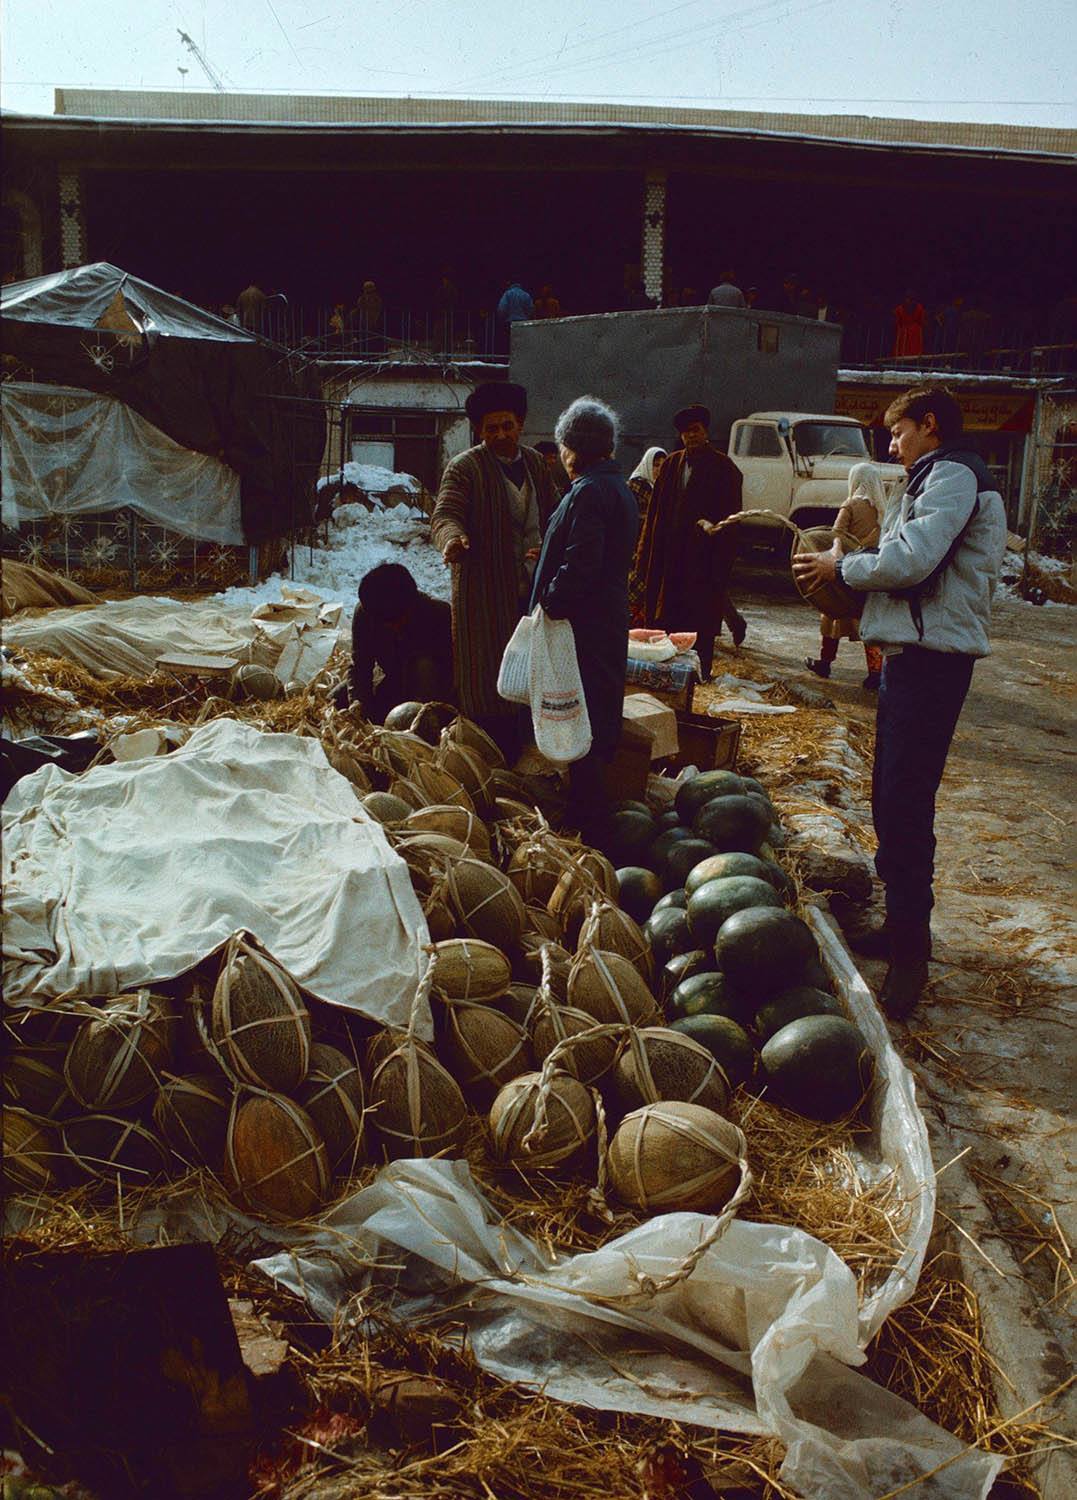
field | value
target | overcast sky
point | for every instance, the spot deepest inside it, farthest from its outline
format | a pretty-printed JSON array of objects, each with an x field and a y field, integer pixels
[{"x": 1008, "y": 61}]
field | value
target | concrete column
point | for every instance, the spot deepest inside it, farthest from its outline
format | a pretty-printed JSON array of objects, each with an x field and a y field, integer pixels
[
  {"x": 653, "y": 250},
  {"x": 72, "y": 222}
]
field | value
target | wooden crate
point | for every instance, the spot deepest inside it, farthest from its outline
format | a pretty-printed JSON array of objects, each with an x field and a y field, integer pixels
[{"x": 707, "y": 742}]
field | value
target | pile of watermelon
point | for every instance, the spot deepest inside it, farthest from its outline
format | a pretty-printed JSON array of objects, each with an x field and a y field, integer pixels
[{"x": 739, "y": 971}]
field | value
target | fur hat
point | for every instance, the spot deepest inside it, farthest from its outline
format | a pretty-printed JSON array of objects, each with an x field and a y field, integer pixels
[
  {"x": 689, "y": 414},
  {"x": 496, "y": 395}
]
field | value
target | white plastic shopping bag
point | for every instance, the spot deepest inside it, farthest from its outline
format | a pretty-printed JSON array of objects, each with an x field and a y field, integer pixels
[
  {"x": 514, "y": 676},
  {"x": 558, "y": 708}
]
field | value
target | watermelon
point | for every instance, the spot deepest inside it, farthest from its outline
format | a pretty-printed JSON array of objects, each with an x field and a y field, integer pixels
[
  {"x": 791, "y": 1005},
  {"x": 722, "y": 866},
  {"x": 667, "y": 932},
  {"x": 732, "y": 822},
  {"x": 663, "y": 843},
  {"x": 765, "y": 806},
  {"x": 707, "y": 994},
  {"x": 679, "y": 897},
  {"x": 637, "y": 891},
  {"x": 764, "y": 950},
  {"x": 779, "y": 878},
  {"x": 628, "y": 836},
  {"x": 667, "y": 820},
  {"x": 402, "y": 716},
  {"x": 727, "y": 1043},
  {"x": 683, "y": 966},
  {"x": 716, "y": 901},
  {"x": 691, "y": 795},
  {"x": 815, "y": 975},
  {"x": 820, "y": 1066},
  {"x": 751, "y": 785},
  {"x": 682, "y": 859},
  {"x": 631, "y": 806}
]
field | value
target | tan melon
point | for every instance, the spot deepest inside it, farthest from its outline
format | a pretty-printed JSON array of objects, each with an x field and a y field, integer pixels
[
  {"x": 437, "y": 786},
  {"x": 589, "y": 877},
  {"x": 608, "y": 987},
  {"x": 119, "y": 1055},
  {"x": 401, "y": 751},
  {"x": 566, "y": 1136},
  {"x": 406, "y": 790},
  {"x": 333, "y": 1097},
  {"x": 343, "y": 758},
  {"x": 110, "y": 1147},
  {"x": 387, "y": 809},
  {"x": 260, "y": 1024},
  {"x": 428, "y": 853},
  {"x": 34, "y": 1081},
  {"x": 485, "y": 902},
  {"x": 469, "y": 769},
  {"x": 535, "y": 868},
  {"x": 468, "y": 969},
  {"x": 541, "y": 925},
  {"x": 384, "y": 1042},
  {"x": 527, "y": 964},
  {"x": 31, "y": 1153},
  {"x": 415, "y": 1104},
  {"x": 191, "y": 1115},
  {"x": 508, "y": 809},
  {"x": 517, "y": 1003},
  {"x": 456, "y": 822},
  {"x": 676, "y": 1156},
  {"x": 588, "y": 1057},
  {"x": 482, "y": 1049},
  {"x": 254, "y": 682},
  {"x": 467, "y": 733},
  {"x": 657, "y": 1063},
  {"x": 614, "y": 931},
  {"x": 276, "y": 1158},
  {"x": 431, "y": 720}
]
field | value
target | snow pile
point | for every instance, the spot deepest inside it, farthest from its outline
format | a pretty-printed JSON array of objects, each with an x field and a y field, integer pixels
[
  {"x": 372, "y": 480},
  {"x": 359, "y": 539},
  {"x": 1047, "y": 579}
]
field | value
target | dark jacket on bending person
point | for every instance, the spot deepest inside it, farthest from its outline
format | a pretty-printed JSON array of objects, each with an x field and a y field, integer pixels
[
  {"x": 582, "y": 576},
  {"x": 413, "y": 650}
]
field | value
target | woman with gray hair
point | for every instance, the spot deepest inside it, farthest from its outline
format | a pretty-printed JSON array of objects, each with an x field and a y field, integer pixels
[{"x": 582, "y": 577}]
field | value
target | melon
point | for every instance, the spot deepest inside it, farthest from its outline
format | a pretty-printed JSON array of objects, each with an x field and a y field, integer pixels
[
  {"x": 540, "y": 925},
  {"x": 815, "y": 975},
  {"x": 191, "y": 1115},
  {"x": 333, "y": 1098},
  {"x": 765, "y": 805},
  {"x": 483, "y": 1049},
  {"x": 590, "y": 1054},
  {"x": 668, "y": 934},
  {"x": 819, "y": 1066},
  {"x": 713, "y": 903},
  {"x": 455, "y": 821},
  {"x": 535, "y": 867},
  {"x": 343, "y": 758},
  {"x": 683, "y": 966},
  {"x": 436, "y": 785},
  {"x": 676, "y": 1156},
  {"x": 468, "y": 768},
  {"x": 791, "y": 1005},
  {"x": 682, "y": 860},
  {"x": 382, "y": 1043},
  {"x": 631, "y": 805},
  {"x": 557, "y": 1143},
  {"x": 469, "y": 969},
  {"x": 608, "y": 987},
  {"x": 679, "y": 897},
  {"x": 638, "y": 890},
  {"x": 252, "y": 681},
  {"x": 528, "y": 966},
  {"x": 732, "y": 823},
  {"x": 752, "y": 785},
  {"x": 465, "y": 732},
  {"x": 517, "y": 1003},
  {"x": 403, "y": 715},
  {"x": 628, "y": 837},
  {"x": 383, "y": 807},
  {"x": 660, "y": 849},
  {"x": 658, "y": 1063},
  {"x": 415, "y": 1104},
  {"x": 763, "y": 951},
  {"x": 667, "y": 820},
  {"x": 260, "y": 1024},
  {"x": 780, "y": 879},
  {"x": 485, "y": 903},
  {"x": 31, "y": 1153},
  {"x": 613, "y": 930},
  {"x": 119, "y": 1055},
  {"x": 276, "y": 1159},
  {"x": 693, "y": 794},
  {"x": 110, "y": 1147},
  {"x": 725, "y": 1040},
  {"x": 431, "y": 720},
  {"x": 723, "y": 866},
  {"x": 707, "y": 994},
  {"x": 33, "y": 1079}
]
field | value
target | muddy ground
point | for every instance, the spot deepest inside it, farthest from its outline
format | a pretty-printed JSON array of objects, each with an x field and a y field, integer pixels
[{"x": 993, "y": 1044}]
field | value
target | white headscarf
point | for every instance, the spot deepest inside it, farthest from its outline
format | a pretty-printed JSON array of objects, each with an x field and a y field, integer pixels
[
  {"x": 645, "y": 468},
  {"x": 866, "y": 482}
]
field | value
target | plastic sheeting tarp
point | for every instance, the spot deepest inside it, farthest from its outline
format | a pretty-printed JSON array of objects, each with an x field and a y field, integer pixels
[
  {"x": 763, "y": 1337},
  {"x": 83, "y": 296},
  {"x": 135, "y": 872},
  {"x": 70, "y": 452}
]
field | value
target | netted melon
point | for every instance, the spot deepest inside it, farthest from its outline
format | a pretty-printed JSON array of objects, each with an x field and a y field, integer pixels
[
  {"x": 657, "y": 1063},
  {"x": 469, "y": 969},
  {"x": 31, "y": 1152},
  {"x": 608, "y": 987},
  {"x": 589, "y": 1054},
  {"x": 483, "y": 1049},
  {"x": 191, "y": 1115},
  {"x": 485, "y": 902},
  {"x": 542, "y": 1127},
  {"x": 260, "y": 1025},
  {"x": 415, "y": 1104},
  {"x": 110, "y": 1146},
  {"x": 676, "y": 1156},
  {"x": 276, "y": 1158},
  {"x": 333, "y": 1098},
  {"x": 119, "y": 1055},
  {"x": 454, "y": 821}
]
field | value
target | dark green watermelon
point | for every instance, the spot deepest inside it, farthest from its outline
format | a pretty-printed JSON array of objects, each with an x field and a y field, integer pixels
[
  {"x": 679, "y": 897},
  {"x": 667, "y": 932},
  {"x": 682, "y": 860},
  {"x": 666, "y": 820},
  {"x": 820, "y": 1066},
  {"x": 691, "y": 795},
  {"x": 714, "y": 903},
  {"x": 752, "y": 785},
  {"x": 628, "y": 837},
  {"x": 721, "y": 866},
  {"x": 764, "y": 950},
  {"x": 815, "y": 975},
  {"x": 637, "y": 891},
  {"x": 631, "y": 806},
  {"x": 683, "y": 966},
  {"x": 733, "y": 822},
  {"x": 792, "y": 1005},
  {"x": 728, "y": 1043},
  {"x": 780, "y": 879},
  {"x": 707, "y": 994},
  {"x": 663, "y": 843}
]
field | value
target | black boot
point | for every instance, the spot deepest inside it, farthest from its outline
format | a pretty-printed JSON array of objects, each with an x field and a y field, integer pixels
[
  {"x": 910, "y": 950},
  {"x": 871, "y": 939},
  {"x": 818, "y": 666}
]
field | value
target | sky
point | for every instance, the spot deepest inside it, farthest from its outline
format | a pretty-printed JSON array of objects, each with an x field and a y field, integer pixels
[{"x": 998, "y": 61}]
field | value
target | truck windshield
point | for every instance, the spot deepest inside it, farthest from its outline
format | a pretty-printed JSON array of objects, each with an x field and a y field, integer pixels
[{"x": 820, "y": 439}]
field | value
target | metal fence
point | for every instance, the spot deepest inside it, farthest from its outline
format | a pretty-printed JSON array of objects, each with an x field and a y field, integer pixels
[{"x": 1052, "y": 512}]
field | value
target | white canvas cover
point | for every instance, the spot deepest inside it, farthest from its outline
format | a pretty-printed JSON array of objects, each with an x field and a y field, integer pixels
[
  {"x": 134, "y": 872},
  {"x": 85, "y": 297},
  {"x": 67, "y": 452}
]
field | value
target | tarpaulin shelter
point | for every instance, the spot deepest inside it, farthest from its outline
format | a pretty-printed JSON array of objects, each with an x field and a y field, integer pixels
[{"x": 211, "y": 388}]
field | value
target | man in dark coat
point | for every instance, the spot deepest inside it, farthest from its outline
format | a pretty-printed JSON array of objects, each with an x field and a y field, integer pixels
[
  {"x": 686, "y": 574},
  {"x": 408, "y": 635},
  {"x": 582, "y": 577}
]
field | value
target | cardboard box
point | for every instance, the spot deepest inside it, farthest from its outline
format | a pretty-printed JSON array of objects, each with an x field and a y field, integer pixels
[
  {"x": 627, "y": 773},
  {"x": 707, "y": 742},
  {"x": 660, "y": 721}
]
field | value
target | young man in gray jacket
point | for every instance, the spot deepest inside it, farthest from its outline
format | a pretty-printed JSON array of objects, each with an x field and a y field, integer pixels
[{"x": 929, "y": 586}]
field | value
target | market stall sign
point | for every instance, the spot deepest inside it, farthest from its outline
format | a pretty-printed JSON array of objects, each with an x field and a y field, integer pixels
[{"x": 1009, "y": 411}]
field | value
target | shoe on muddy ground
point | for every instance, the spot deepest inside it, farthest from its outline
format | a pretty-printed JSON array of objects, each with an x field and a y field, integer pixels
[
  {"x": 871, "y": 682},
  {"x": 903, "y": 988},
  {"x": 739, "y": 631},
  {"x": 869, "y": 939},
  {"x": 818, "y": 666}
]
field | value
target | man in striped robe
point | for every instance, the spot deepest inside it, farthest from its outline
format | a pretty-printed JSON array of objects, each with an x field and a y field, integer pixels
[{"x": 492, "y": 508}]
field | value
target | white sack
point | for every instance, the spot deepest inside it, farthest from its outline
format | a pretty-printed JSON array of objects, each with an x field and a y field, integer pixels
[
  {"x": 69, "y": 452},
  {"x": 559, "y": 714},
  {"x": 514, "y": 674},
  {"x": 133, "y": 873}
]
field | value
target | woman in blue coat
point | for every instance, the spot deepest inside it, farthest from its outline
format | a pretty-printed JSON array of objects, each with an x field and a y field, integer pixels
[{"x": 582, "y": 577}]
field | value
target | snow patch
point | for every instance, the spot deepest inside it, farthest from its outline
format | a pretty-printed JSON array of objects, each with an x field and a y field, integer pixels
[{"x": 372, "y": 479}]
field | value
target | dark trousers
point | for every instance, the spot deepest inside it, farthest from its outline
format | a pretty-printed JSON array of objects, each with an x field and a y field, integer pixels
[
  {"x": 724, "y": 610},
  {"x": 588, "y": 806},
  {"x": 920, "y": 700}
]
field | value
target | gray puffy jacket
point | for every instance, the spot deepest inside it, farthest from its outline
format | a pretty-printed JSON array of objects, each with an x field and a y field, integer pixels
[{"x": 919, "y": 530}]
